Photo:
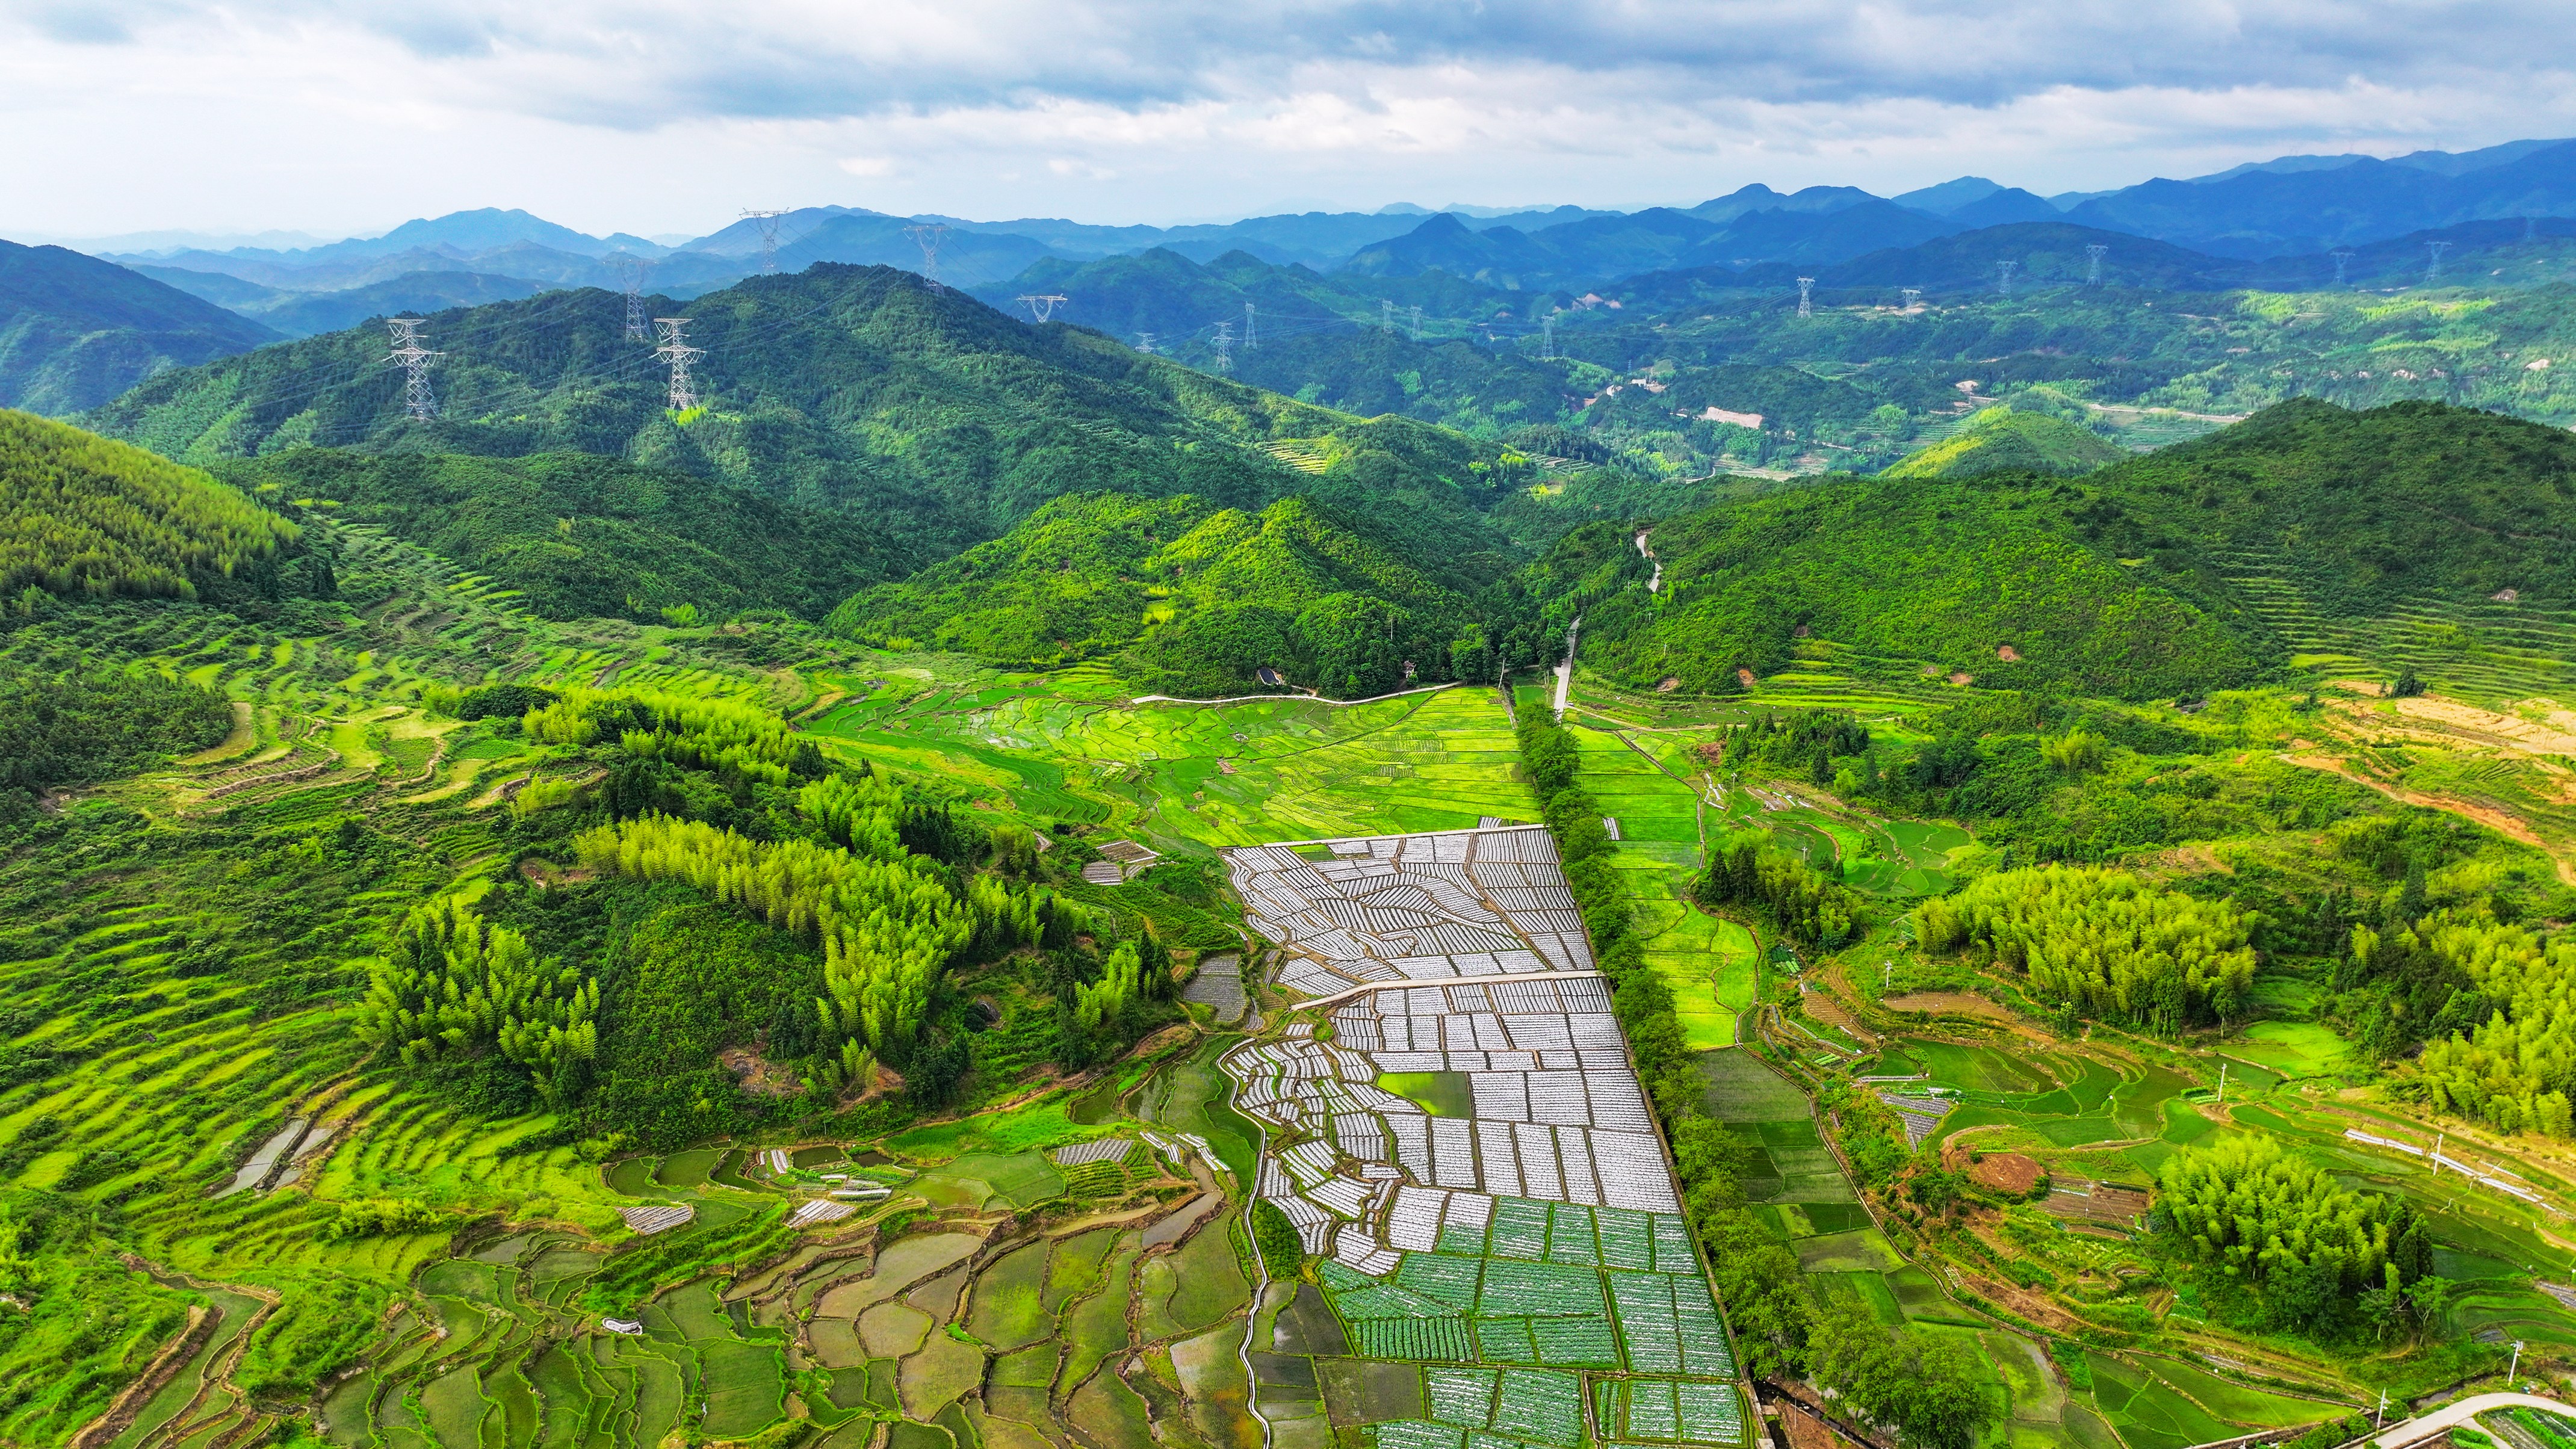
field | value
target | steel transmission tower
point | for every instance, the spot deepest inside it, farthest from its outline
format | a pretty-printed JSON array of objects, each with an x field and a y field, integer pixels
[
  {"x": 2433, "y": 261},
  {"x": 928, "y": 236},
  {"x": 2341, "y": 260},
  {"x": 1385, "y": 315},
  {"x": 767, "y": 221},
  {"x": 415, "y": 365},
  {"x": 1251, "y": 339},
  {"x": 630, "y": 269},
  {"x": 1042, "y": 307},
  {"x": 1225, "y": 346},
  {"x": 2093, "y": 254},
  {"x": 1144, "y": 342},
  {"x": 1547, "y": 328},
  {"x": 1912, "y": 295},
  {"x": 1806, "y": 289},
  {"x": 2003, "y": 277},
  {"x": 1417, "y": 324},
  {"x": 676, "y": 351}
]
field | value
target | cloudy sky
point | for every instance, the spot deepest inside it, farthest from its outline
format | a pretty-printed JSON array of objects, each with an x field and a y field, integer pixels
[{"x": 657, "y": 116}]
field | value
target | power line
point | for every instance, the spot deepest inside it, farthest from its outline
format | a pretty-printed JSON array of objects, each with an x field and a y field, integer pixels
[
  {"x": 415, "y": 364},
  {"x": 767, "y": 221},
  {"x": 928, "y": 236},
  {"x": 1806, "y": 288},
  {"x": 1043, "y": 306},
  {"x": 2341, "y": 259},
  {"x": 2093, "y": 254},
  {"x": 2433, "y": 262},
  {"x": 676, "y": 351},
  {"x": 2003, "y": 277},
  {"x": 1251, "y": 340}
]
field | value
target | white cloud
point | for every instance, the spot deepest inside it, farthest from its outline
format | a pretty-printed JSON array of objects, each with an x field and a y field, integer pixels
[{"x": 654, "y": 115}]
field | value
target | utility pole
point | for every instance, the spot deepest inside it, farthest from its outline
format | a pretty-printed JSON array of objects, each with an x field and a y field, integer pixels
[
  {"x": 767, "y": 221},
  {"x": 1225, "y": 346},
  {"x": 2508, "y": 1373},
  {"x": 1042, "y": 307},
  {"x": 1417, "y": 323},
  {"x": 2341, "y": 260},
  {"x": 631, "y": 269},
  {"x": 1806, "y": 288},
  {"x": 1144, "y": 342},
  {"x": 2433, "y": 262},
  {"x": 2003, "y": 277},
  {"x": 1912, "y": 296},
  {"x": 2093, "y": 253},
  {"x": 415, "y": 365},
  {"x": 1251, "y": 340},
  {"x": 676, "y": 351},
  {"x": 928, "y": 236}
]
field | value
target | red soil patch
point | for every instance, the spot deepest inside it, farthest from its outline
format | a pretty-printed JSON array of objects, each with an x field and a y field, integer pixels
[
  {"x": 1944, "y": 1001},
  {"x": 2008, "y": 654},
  {"x": 1962, "y": 676},
  {"x": 1744, "y": 677},
  {"x": 2006, "y": 1172}
]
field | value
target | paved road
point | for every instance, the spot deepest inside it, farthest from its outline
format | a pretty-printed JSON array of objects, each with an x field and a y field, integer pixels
[
  {"x": 2418, "y": 1429},
  {"x": 1565, "y": 671}
]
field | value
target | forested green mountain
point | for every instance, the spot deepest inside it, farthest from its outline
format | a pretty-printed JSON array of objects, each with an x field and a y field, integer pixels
[
  {"x": 860, "y": 389},
  {"x": 84, "y": 517},
  {"x": 2360, "y": 508},
  {"x": 2002, "y": 440},
  {"x": 582, "y": 536},
  {"x": 1989, "y": 579},
  {"x": 1201, "y": 597},
  {"x": 76, "y": 331}
]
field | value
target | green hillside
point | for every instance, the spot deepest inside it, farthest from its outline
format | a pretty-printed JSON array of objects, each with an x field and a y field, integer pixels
[
  {"x": 83, "y": 516},
  {"x": 2001, "y": 440},
  {"x": 1916, "y": 576},
  {"x": 76, "y": 331},
  {"x": 860, "y": 389},
  {"x": 581, "y": 536},
  {"x": 1205, "y": 596},
  {"x": 2361, "y": 508}
]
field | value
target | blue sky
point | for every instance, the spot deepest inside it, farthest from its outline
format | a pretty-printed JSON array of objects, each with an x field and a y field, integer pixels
[{"x": 656, "y": 116}]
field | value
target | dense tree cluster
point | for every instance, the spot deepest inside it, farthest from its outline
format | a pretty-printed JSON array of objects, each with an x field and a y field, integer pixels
[
  {"x": 453, "y": 987},
  {"x": 2102, "y": 942},
  {"x": 2515, "y": 1069},
  {"x": 1748, "y": 869},
  {"x": 2306, "y": 1246},
  {"x": 83, "y": 516}
]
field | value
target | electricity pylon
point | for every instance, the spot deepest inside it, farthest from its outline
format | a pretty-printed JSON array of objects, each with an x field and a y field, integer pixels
[
  {"x": 1225, "y": 346},
  {"x": 2433, "y": 262},
  {"x": 1385, "y": 315},
  {"x": 1251, "y": 339},
  {"x": 2340, "y": 260},
  {"x": 1806, "y": 288},
  {"x": 2093, "y": 254},
  {"x": 676, "y": 351},
  {"x": 767, "y": 221},
  {"x": 1417, "y": 324},
  {"x": 1144, "y": 342},
  {"x": 415, "y": 365},
  {"x": 1042, "y": 307},
  {"x": 630, "y": 268},
  {"x": 2003, "y": 277},
  {"x": 928, "y": 236},
  {"x": 1911, "y": 295}
]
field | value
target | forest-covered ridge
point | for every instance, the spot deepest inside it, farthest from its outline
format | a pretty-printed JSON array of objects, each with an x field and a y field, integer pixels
[
  {"x": 84, "y": 516},
  {"x": 581, "y": 536},
  {"x": 861, "y": 389}
]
